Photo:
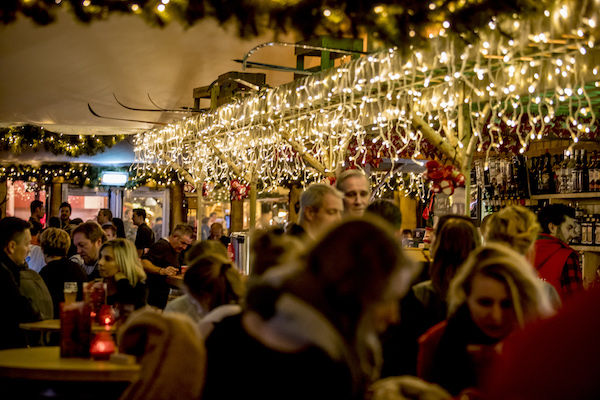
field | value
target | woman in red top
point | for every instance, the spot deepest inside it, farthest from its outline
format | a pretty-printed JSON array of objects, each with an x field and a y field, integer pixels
[{"x": 495, "y": 292}]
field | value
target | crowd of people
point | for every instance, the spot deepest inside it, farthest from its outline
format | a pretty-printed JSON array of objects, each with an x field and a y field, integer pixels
[{"x": 333, "y": 308}]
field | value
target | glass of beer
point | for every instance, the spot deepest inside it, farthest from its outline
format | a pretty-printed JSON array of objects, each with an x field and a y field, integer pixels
[{"x": 70, "y": 292}]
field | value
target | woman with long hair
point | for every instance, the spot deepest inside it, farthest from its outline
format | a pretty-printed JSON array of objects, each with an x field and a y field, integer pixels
[
  {"x": 494, "y": 293},
  {"x": 425, "y": 304},
  {"x": 311, "y": 330},
  {"x": 122, "y": 270},
  {"x": 206, "y": 283},
  {"x": 518, "y": 228}
]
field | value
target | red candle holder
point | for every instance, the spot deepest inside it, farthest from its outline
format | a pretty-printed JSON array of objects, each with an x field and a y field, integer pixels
[
  {"x": 102, "y": 346},
  {"x": 106, "y": 316}
]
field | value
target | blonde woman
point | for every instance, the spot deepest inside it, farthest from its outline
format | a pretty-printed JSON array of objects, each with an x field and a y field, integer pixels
[
  {"x": 122, "y": 270},
  {"x": 518, "y": 228},
  {"x": 494, "y": 293}
]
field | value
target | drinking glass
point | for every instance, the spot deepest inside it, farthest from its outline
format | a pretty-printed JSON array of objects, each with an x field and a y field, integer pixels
[{"x": 70, "y": 292}]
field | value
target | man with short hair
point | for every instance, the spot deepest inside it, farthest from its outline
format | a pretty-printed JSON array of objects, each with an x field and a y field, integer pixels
[
  {"x": 14, "y": 245},
  {"x": 157, "y": 228},
  {"x": 204, "y": 229},
  {"x": 354, "y": 184},
  {"x": 64, "y": 213},
  {"x": 216, "y": 233},
  {"x": 163, "y": 258},
  {"x": 390, "y": 212},
  {"x": 144, "y": 237},
  {"x": 321, "y": 206},
  {"x": 36, "y": 207},
  {"x": 555, "y": 261},
  {"x": 104, "y": 216},
  {"x": 88, "y": 239}
]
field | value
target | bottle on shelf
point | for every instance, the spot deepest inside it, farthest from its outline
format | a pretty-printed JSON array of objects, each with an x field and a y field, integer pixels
[
  {"x": 547, "y": 174},
  {"x": 594, "y": 172},
  {"x": 597, "y": 231},
  {"x": 584, "y": 174},
  {"x": 576, "y": 173},
  {"x": 557, "y": 171},
  {"x": 569, "y": 187},
  {"x": 531, "y": 171},
  {"x": 585, "y": 224},
  {"x": 579, "y": 215}
]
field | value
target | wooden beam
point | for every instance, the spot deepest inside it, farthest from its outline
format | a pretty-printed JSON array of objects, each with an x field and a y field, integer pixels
[
  {"x": 234, "y": 168},
  {"x": 310, "y": 160},
  {"x": 437, "y": 140}
]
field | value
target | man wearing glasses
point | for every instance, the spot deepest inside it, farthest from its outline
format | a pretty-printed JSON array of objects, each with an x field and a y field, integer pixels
[{"x": 163, "y": 259}]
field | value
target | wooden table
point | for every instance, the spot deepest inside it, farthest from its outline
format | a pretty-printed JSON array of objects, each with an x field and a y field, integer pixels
[
  {"x": 45, "y": 364},
  {"x": 53, "y": 325},
  {"x": 175, "y": 280}
]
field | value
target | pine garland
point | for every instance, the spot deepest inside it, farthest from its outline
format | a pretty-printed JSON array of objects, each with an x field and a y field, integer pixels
[
  {"x": 26, "y": 138},
  {"x": 399, "y": 23}
]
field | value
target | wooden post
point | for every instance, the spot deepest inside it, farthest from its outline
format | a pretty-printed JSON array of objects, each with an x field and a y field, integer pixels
[
  {"x": 237, "y": 216},
  {"x": 176, "y": 213},
  {"x": 55, "y": 198},
  {"x": 252, "y": 220},
  {"x": 294, "y": 197},
  {"x": 199, "y": 212},
  {"x": 3, "y": 198}
]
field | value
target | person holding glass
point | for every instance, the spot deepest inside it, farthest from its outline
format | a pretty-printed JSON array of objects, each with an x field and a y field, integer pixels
[
  {"x": 60, "y": 273},
  {"x": 123, "y": 273}
]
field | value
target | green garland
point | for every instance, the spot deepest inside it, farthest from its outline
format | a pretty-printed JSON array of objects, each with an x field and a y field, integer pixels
[
  {"x": 26, "y": 138},
  {"x": 78, "y": 174},
  {"x": 394, "y": 22}
]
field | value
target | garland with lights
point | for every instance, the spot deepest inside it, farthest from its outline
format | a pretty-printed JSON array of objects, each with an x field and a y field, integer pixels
[
  {"x": 458, "y": 99},
  {"x": 26, "y": 138},
  {"x": 78, "y": 174},
  {"x": 397, "y": 23}
]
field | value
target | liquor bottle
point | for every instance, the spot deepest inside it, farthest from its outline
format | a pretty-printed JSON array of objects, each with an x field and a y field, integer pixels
[
  {"x": 576, "y": 172},
  {"x": 597, "y": 232},
  {"x": 520, "y": 177},
  {"x": 547, "y": 175},
  {"x": 578, "y": 222},
  {"x": 593, "y": 184},
  {"x": 569, "y": 173},
  {"x": 584, "y": 175},
  {"x": 583, "y": 225},
  {"x": 531, "y": 171},
  {"x": 556, "y": 172}
]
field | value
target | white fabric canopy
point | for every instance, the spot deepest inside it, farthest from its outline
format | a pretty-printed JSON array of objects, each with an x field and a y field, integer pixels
[{"x": 50, "y": 73}]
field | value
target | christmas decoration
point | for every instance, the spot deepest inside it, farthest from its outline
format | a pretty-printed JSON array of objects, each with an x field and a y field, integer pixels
[
  {"x": 523, "y": 78},
  {"x": 239, "y": 191},
  {"x": 443, "y": 178},
  {"x": 26, "y": 138},
  {"x": 400, "y": 23}
]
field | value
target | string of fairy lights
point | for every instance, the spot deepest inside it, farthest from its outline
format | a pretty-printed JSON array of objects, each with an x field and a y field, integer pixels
[{"x": 527, "y": 72}]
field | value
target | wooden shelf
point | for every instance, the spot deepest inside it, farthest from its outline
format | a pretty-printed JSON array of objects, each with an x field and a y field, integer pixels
[
  {"x": 584, "y": 247},
  {"x": 587, "y": 195}
]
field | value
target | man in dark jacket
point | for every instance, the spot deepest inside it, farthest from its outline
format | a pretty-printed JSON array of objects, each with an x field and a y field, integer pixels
[
  {"x": 555, "y": 260},
  {"x": 144, "y": 237},
  {"x": 162, "y": 259},
  {"x": 14, "y": 245}
]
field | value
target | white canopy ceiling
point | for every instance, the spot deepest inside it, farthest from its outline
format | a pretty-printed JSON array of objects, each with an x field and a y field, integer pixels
[{"x": 50, "y": 73}]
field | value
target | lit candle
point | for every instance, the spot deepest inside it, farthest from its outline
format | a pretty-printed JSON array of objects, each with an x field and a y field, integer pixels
[{"x": 102, "y": 346}]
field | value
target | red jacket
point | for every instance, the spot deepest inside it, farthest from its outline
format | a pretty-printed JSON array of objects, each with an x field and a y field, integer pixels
[{"x": 551, "y": 255}]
